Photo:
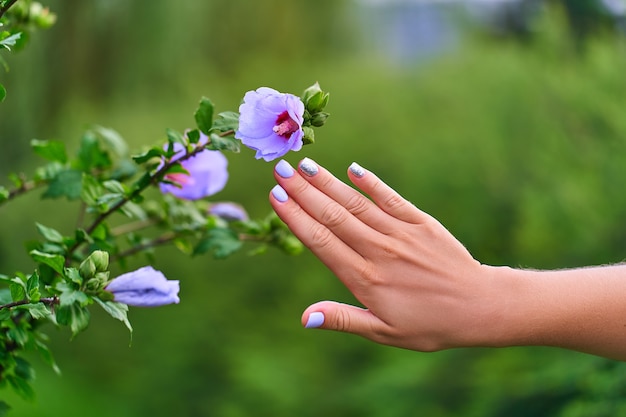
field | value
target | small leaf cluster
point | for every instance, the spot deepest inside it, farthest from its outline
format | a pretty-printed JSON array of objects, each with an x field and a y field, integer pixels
[
  {"x": 17, "y": 20},
  {"x": 120, "y": 213}
]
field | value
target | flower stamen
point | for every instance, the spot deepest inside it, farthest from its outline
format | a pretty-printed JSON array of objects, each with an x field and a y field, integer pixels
[{"x": 285, "y": 125}]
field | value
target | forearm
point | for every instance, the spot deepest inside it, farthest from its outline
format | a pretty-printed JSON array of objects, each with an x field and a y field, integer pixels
[{"x": 579, "y": 309}]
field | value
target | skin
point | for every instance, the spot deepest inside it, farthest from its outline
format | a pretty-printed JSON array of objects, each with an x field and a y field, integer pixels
[{"x": 422, "y": 290}]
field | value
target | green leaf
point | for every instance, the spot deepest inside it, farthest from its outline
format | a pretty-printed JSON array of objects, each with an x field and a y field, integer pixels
[
  {"x": 148, "y": 155},
  {"x": 50, "y": 149},
  {"x": 10, "y": 41},
  {"x": 37, "y": 310},
  {"x": 71, "y": 296},
  {"x": 223, "y": 143},
  {"x": 55, "y": 262},
  {"x": 3, "y": 94},
  {"x": 204, "y": 115},
  {"x": 193, "y": 136},
  {"x": 18, "y": 289},
  {"x": 74, "y": 316},
  {"x": 90, "y": 154},
  {"x": 4, "y": 193},
  {"x": 66, "y": 183},
  {"x": 91, "y": 190},
  {"x": 49, "y": 234},
  {"x": 4, "y": 409},
  {"x": 45, "y": 353},
  {"x": 112, "y": 140},
  {"x": 32, "y": 288},
  {"x": 174, "y": 136},
  {"x": 220, "y": 241},
  {"x": 225, "y": 121},
  {"x": 21, "y": 387},
  {"x": 116, "y": 310}
]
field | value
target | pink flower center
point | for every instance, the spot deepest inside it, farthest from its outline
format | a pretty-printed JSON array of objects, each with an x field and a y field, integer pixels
[
  {"x": 178, "y": 178},
  {"x": 285, "y": 125}
]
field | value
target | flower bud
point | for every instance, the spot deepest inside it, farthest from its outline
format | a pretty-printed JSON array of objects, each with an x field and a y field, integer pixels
[
  {"x": 87, "y": 268},
  {"x": 309, "y": 135},
  {"x": 319, "y": 119},
  {"x": 315, "y": 99}
]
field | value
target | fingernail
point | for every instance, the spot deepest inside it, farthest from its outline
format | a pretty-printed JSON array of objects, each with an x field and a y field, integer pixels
[
  {"x": 316, "y": 319},
  {"x": 357, "y": 170},
  {"x": 284, "y": 169},
  {"x": 309, "y": 167},
  {"x": 279, "y": 193}
]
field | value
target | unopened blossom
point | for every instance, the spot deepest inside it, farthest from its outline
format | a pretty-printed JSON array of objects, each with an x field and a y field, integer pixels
[
  {"x": 228, "y": 211},
  {"x": 145, "y": 287},
  {"x": 271, "y": 123},
  {"x": 206, "y": 174}
]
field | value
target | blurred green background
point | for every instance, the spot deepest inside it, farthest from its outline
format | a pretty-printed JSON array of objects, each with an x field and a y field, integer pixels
[{"x": 512, "y": 134}]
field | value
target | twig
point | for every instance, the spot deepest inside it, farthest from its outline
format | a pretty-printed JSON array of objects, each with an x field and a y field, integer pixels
[
  {"x": 50, "y": 301},
  {"x": 6, "y": 7},
  {"x": 161, "y": 240}
]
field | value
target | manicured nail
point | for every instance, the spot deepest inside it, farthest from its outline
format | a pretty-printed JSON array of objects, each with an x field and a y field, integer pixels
[
  {"x": 279, "y": 193},
  {"x": 316, "y": 319},
  {"x": 309, "y": 167},
  {"x": 357, "y": 170},
  {"x": 284, "y": 169}
]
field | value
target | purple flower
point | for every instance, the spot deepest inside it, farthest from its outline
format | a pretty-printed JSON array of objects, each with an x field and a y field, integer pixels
[
  {"x": 228, "y": 211},
  {"x": 145, "y": 287},
  {"x": 207, "y": 173},
  {"x": 271, "y": 123}
]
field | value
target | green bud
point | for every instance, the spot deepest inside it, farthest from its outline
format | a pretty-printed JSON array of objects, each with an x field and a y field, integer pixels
[
  {"x": 310, "y": 92},
  {"x": 87, "y": 268},
  {"x": 97, "y": 283},
  {"x": 291, "y": 245},
  {"x": 319, "y": 119},
  {"x": 315, "y": 99},
  {"x": 309, "y": 135},
  {"x": 101, "y": 260},
  {"x": 41, "y": 15}
]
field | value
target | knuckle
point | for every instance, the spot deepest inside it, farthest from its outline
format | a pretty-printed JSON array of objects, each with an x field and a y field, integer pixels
[
  {"x": 321, "y": 237},
  {"x": 394, "y": 201},
  {"x": 369, "y": 275},
  {"x": 342, "y": 321},
  {"x": 357, "y": 204},
  {"x": 333, "y": 215}
]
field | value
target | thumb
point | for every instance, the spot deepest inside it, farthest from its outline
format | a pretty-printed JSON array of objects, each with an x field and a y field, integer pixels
[{"x": 330, "y": 315}]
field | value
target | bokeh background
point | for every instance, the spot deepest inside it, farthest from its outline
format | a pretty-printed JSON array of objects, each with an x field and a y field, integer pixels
[{"x": 506, "y": 120}]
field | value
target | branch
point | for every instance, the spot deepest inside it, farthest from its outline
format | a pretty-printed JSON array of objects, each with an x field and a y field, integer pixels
[
  {"x": 25, "y": 187},
  {"x": 47, "y": 301},
  {"x": 161, "y": 240},
  {"x": 154, "y": 178},
  {"x": 6, "y": 7}
]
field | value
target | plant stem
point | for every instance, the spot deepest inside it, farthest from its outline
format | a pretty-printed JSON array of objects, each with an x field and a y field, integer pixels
[
  {"x": 161, "y": 240},
  {"x": 6, "y": 7},
  {"x": 50, "y": 301}
]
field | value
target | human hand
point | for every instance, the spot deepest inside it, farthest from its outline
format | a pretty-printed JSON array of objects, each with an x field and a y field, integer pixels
[{"x": 420, "y": 287}]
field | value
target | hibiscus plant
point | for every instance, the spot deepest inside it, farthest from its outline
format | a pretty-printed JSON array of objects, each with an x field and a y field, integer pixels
[{"x": 71, "y": 268}]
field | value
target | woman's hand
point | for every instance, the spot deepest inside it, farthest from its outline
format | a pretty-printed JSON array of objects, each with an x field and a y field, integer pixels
[{"x": 421, "y": 288}]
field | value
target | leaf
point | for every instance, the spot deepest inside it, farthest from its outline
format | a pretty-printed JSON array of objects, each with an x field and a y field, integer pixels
[
  {"x": 21, "y": 387},
  {"x": 116, "y": 310},
  {"x": 10, "y": 41},
  {"x": 148, "y": 155},
  {"x": 66, "y": 183},
  {"x": 91, "y": 190},
  {"x": 4, "y": 409},
  {"x": 51, "y": 150},
  {"x": 18, "y": 289},
  {"x": 193, "y": 136},
  {"x": 74, "y": 316},
  {"x": 32, "y": 288},
  {"x": 112, "y": 140},
  {"x": 174, "y": 136},
  {"x": 45, "y": 353},
  {"x": 55, "y": 262},
  {"x": 220, "y": 241},
  {"x": 223, "y": 143},
  {"x": 37, "y": 310},
  {"x": 90, "y": 154},
  {"x": 3, "y": 94},
  {"x": 204, "y": 115},
  {"x": 49, "y": 234},
  {"x": 225, "y": 121}
]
